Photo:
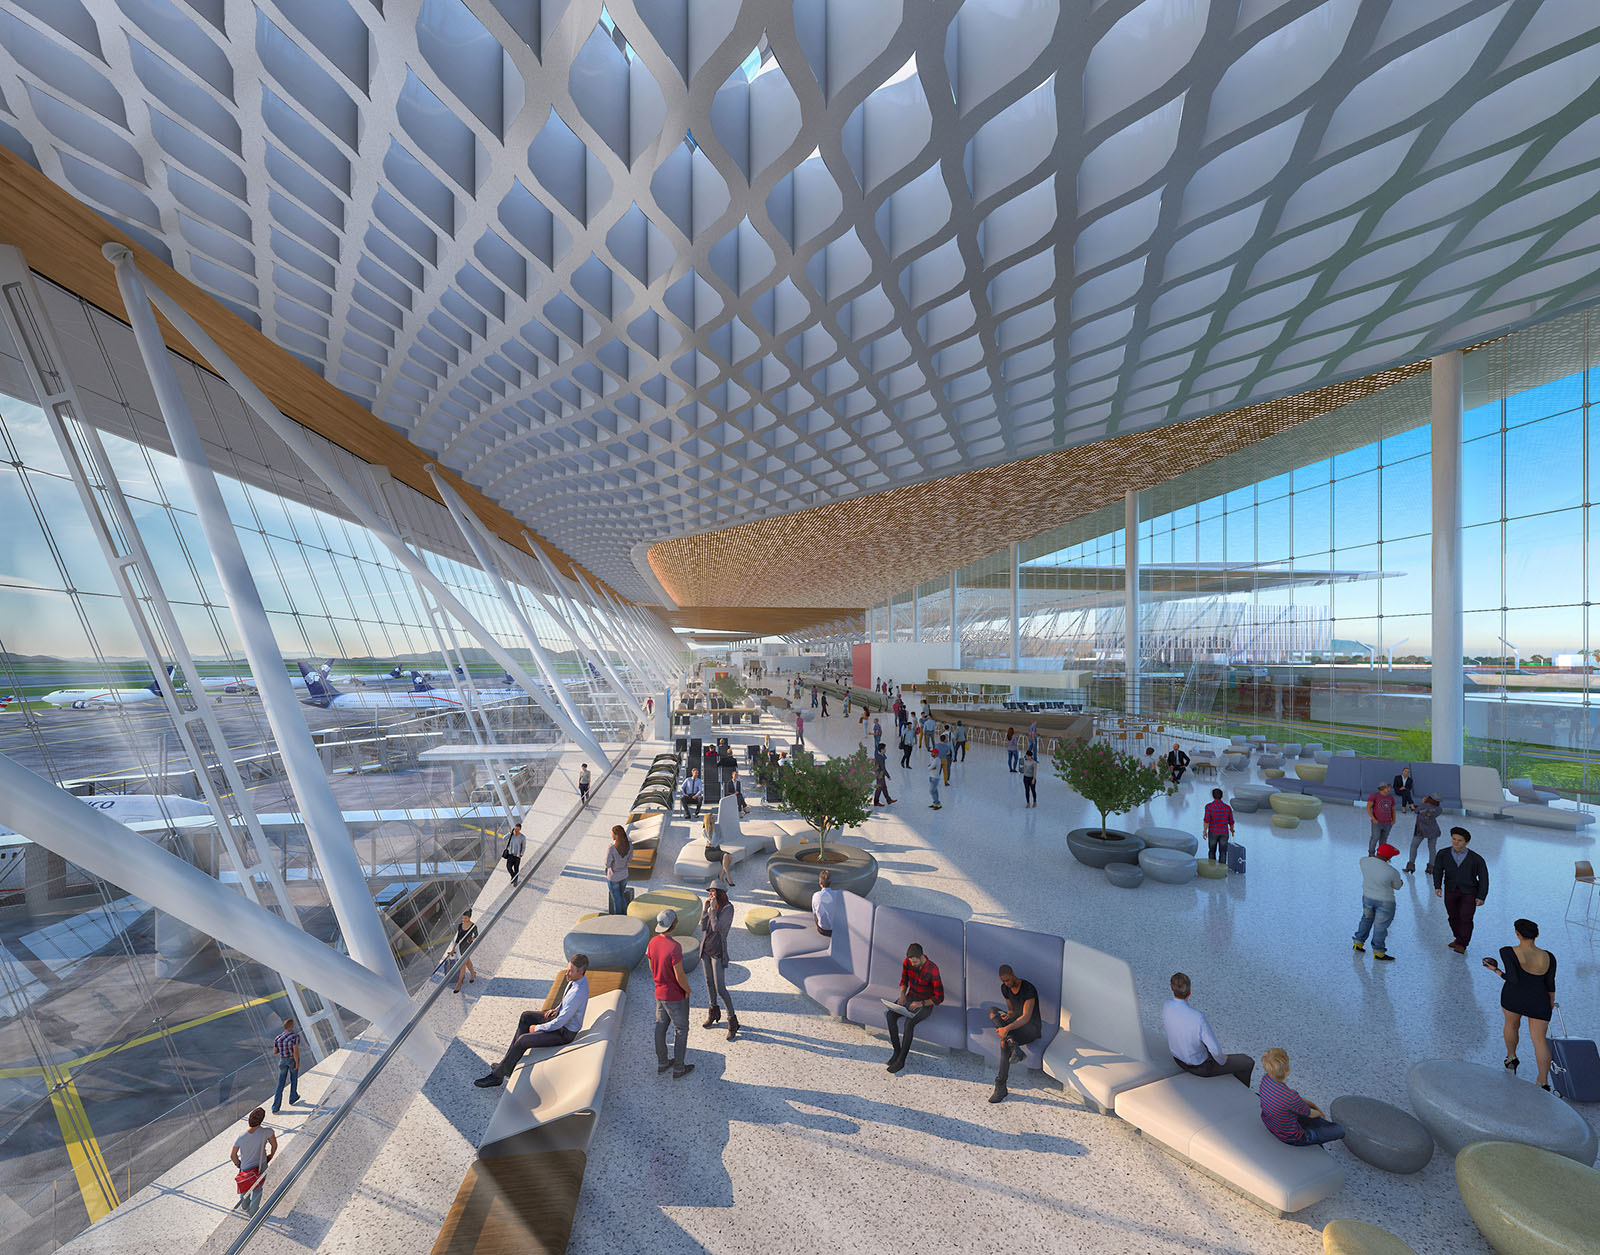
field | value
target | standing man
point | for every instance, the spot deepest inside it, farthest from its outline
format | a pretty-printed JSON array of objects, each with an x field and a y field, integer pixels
[
  {"x": 251, "y": 1154},
  {"x": 799, "y": 728},
  {"x": 665, "y": 957},
  {"x": 1378, "y": 883},
  {"x": 1194, "y": 1046},
  {"x": 1219, "y": 827},
  {"x": 516, "y": 843},
  {"x": 877, "y": 736},
  {"x": 1017, "y": 1025},
  {"x": 1380, "y": 810},
  {"x": 880, "y": 774},
  {"x": 1033, "y": 738},
  {"x": 935, "y": 774},
  {"x": 827, "y": 903},
  {"x": 650, "y": 706},
  {"x": 286, "y": 1046},
  {"x": 543, "y": 1030},
  {"x": 908, "y": 741},
  {"x": 1461, "y": 878},
  {"x": 824, "y": 704},
  {"x": 921, "y": 991},
  {"x": 961, "y": 741},
  {"x": 583, "y": 784},
  {"x": 946, "y": 753},
  {"x": 693, "y": 792}
]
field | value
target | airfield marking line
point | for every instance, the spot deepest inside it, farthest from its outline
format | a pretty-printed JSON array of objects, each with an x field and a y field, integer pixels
[{"x": 95, "y": 1186}]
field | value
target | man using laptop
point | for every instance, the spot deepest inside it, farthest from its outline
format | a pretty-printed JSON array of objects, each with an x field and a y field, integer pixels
[{"x": 921, "y": 991}]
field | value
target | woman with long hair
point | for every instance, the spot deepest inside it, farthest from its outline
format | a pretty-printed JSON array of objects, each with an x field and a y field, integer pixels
[
  {"x": 716, "y": 919},
  {"x": 617, "y": 870}
]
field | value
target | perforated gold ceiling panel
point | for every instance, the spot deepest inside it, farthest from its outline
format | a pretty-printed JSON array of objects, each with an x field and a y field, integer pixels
[{"x": 850, "y": 552}]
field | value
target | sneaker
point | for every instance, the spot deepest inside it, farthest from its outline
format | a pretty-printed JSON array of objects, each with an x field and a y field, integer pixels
[
  {"x": 936, "y": 806},
  {"x": 679, "y": 1073},
  {"x": 1382, "y": 957},
  {"x": 1358, "y": 947},
  {"x": 489, "y": 1082}
]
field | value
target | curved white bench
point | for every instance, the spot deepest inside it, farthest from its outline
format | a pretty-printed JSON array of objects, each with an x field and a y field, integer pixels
[{"x": 552, "y": 1084}]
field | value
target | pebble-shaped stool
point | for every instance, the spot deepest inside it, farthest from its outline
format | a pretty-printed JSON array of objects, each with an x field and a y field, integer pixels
[
  {"x": 1125, "y": 875},
  {"x": 1356, "y": 1237},
  {"x": 1530, "y": 1201},
  {"x": 1170, "y": 867},
  {"x": 1169, "y": 839},
  {"x": 611, "y": 941},
  {"x": 1381, "y": 1134},
  {"x": 1210, "y": 869},
  {"x": 1245, "y": 805},
  {"x": 1285, "y": 821},
  {"x": 758, "y": 919}
]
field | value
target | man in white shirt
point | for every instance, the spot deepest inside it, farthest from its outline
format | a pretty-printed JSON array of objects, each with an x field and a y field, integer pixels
[
  {"x": 252, "y": 1152},
  {"x": 540, "y": 1030},
  {"x": 1194, "y": 1046},
  {"x": 827, "y": 904}
]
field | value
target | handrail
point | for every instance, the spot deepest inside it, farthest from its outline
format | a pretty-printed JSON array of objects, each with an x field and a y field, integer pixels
[{"x": 269, "y": 1204}]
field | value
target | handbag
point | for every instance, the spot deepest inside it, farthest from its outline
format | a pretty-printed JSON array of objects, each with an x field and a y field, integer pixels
[{"x": 247, "y": 1179}]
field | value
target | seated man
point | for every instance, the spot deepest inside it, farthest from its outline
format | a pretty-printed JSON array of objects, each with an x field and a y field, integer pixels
[
  {"x": 1289, "y": 1117},
  {"x": 1178, "y": 761},
  {"x": 1017, "y": 1025},
  {"x": 1194, "y": 1046},
  {"x": 693, "y": 793},
  {"x": 540, "y": 1030},
  {"x": 921, "y": 991},
  {"x": 827, "y": 904}
]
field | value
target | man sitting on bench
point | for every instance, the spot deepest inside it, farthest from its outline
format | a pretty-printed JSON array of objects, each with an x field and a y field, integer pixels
[
  {"x": 1194, "y": 1046},
  {"x": 693, "y": 792},
  {"x": 1017, "y": 1025},
  {"x": 541, "y": 1030}
]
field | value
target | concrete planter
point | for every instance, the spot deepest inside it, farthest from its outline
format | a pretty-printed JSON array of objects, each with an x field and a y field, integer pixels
[
  {"x": 1093, "y": 849},
  {"x": 794, "y": 869}
]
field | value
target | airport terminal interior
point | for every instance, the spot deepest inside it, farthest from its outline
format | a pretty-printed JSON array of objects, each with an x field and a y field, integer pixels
[{"x": 730, "y": 625}]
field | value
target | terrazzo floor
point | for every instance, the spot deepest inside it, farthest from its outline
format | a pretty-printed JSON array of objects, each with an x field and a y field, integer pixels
[{"x": 795, "y": 1137}]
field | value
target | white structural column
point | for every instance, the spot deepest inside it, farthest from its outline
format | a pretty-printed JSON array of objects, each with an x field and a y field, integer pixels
[
  {"x": 649, "y": 670},
  {"x": 1449, "y": 683},
  {"x": 1016, "y": 614},
  {"x": 627, "y": 634},
  {"x": 1130, "y": 602},
  {"x": 955, "y": 627},
  {"x": 469, "y": 527},
  {"x": 342, "y": 872},
  {"x": 916, "y": 615},
  {"x": 292, "y": 435},
  {"x": 590, "y": 642},
  {"x": 53, "y": 818}
]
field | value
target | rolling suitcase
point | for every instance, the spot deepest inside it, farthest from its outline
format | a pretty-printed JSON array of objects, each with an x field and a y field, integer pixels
[
  {"x": 1574, "y": 1066},
  {"x": 1235, "y": 858}
]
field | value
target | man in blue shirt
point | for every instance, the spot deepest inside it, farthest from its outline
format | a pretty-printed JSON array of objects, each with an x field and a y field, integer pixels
[
  {"x": 540, "y": 1030},
  {"x": 693, "y": 792},
  {"x": 286, "y": 1049}
]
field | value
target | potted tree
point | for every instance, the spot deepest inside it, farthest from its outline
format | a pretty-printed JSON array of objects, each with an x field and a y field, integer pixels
[
  {"x": 830, "y": 794},
  {"x": 1113, "y": 783}
]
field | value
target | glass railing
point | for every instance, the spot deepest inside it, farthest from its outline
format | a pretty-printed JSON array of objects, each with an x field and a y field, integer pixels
[{"x": 320, "y": 1168}]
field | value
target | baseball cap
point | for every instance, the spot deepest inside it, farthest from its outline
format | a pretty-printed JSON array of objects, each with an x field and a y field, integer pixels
[
  {"x": 1386, "y": 851},
  {"x": 668, "y": 919}
]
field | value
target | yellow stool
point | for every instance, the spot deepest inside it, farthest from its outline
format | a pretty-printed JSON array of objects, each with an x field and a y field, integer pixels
[
  {"x": 652, "y": 902},
  {"x": 758, "y": 919},
  {"x": 1355, "y": 1237}
]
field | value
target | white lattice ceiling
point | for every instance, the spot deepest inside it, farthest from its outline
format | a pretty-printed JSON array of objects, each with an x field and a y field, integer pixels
[{"x": 672, "y": 265}]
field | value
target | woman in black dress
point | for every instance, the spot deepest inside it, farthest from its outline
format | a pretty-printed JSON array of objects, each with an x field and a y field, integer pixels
[{"x": 1530, "y": 990}]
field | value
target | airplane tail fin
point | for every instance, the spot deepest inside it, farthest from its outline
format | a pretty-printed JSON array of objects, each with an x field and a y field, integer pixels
[
  {"x": 418, "y": 684},
  {"x": 155, "y": 684},
  {"x": 319, "y": 689}
]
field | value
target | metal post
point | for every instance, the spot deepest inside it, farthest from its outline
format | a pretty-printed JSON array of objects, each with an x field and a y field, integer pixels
[
  {"x": 1449, "y": 682},
  {"x": 916, "y": 615},
  {"x": 955, "y": 628},
  {"x": 622, "y": 636},
  {"x": 1016, "y": 617},
  {"x": 292, "y": 435},
  {"x": 469, "y": 531},
  {"x": 1130, "y": 602},
  {"x": 590, "y": 641},
  {"x": 325, "y": 827}
]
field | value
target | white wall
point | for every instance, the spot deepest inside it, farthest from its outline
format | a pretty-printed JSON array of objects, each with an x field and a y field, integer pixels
[{"x": 908, "y": 662}]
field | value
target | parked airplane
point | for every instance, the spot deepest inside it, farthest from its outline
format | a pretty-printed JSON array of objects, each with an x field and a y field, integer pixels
[
  {"x": 145, "y": 812},
  {"x": 99, "y": 699},
  {"x": 321, "y": 692}
]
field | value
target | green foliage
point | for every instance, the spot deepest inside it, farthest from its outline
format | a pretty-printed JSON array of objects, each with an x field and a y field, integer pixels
[
  {"x": 729, "y": 688},
  {"x": 1111, "y": 781},
  {"x": 1413, "y": 745},
  {"x": 831, "y": 793}
]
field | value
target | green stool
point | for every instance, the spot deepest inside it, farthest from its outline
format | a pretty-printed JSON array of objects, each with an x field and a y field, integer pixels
[
  {"x": 1273, "y": 773},
  {"x": 758, "y": 919},
  {"x": 1300, "y": 805},
  {"x": 1285, "y": 821},
  {"x": 1210, "y": 869},
  {"x": 1355, "y": 1237},
  {"x": 652, "y": 902}
]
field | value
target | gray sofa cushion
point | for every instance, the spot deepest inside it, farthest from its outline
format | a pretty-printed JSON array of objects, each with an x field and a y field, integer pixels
[
  {"x": 831, "y": 977},
  {"x": 1033, "y": 956},
  {"x": 893, "y": 929}
]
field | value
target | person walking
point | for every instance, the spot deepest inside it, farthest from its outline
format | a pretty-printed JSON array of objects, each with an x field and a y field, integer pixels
[
  {"x": 1380, "y": 810},
  {"x": 1289, "y": 1117},
  {"x": 959, "y": 739},
  {"x": 1461, "y": 878},
  {"x": 1033, "y": 738},
  {"x": 1219, "y": 827},
  {"x": 946, "y": 752},
  {"x": 880, "y": 777},
  {"x": 824, "y": 705},
  {"x": 1378, "y": 882},
  {"x": 921, "y": 991},
  {"x": 813, "y": 697},
  {"x": 1017, "y": 1025},
  {"x": 877, "y": 735},
  {"x": 1529, "y": 990},
  {"x": 1011, "y": 749},
  {"x": 1193, "y": 1045},
  {"x": 1425, "y": 829},
  {"x": 546, "y": 1030},
  {"x": 286, "y": 1049},
  {"x": 935, "y": 774},
  {"x": 466, "y": 934},
  {"x": 516, "y": 844},
  {"x": 617, "y": 855},
  {"x": 908, "y": 742},
  {"x": 665, "y": 957},
  {"x": 1030, "y": 772},
  {"x": 799, "y": 728},
  {"x": 252, "y": 1152},
  {"x": 583, "y": 785},
  {"x": 716, "y": 918}
]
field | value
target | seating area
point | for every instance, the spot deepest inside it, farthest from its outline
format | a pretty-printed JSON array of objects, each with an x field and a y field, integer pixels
[
  {"x": 1098, "y": 1045},
  {"x": 1472, "y": 790}
]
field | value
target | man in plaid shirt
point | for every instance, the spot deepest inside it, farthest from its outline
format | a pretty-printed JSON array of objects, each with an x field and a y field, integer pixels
[
  {"x": 1219, "y": 825},
  {"x": 286, "y": 1049},
  {"x": 921, "y": 991}
]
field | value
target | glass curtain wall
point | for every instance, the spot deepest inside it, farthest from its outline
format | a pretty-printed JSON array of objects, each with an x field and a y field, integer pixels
[
  {"x": 129, "y": 1038},
  {"x": 983, "y": 612}
]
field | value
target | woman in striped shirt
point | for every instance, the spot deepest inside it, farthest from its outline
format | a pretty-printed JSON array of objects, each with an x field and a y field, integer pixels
[{"x": 1289, "y": 1117}]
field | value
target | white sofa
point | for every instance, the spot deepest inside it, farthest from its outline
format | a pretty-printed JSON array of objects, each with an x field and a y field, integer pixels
[
  {"x": 552, "y": 1084},
  {"x": 1214, "y": 1124}
]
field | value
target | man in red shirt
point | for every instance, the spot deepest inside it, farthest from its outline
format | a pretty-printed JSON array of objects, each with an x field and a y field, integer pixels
[
  {"x": 1219, "y": 825},
  {"x": 1380, "y": 810},
  {"x": 665, "y": 957},
  {"x": 921, "y": 991}
]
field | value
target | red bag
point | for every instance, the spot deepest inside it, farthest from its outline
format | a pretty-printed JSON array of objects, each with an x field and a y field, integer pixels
[{"x": 247, "y": 1180}]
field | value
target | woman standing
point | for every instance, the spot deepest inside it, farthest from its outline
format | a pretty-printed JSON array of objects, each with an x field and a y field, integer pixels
[
  {"x": 617, "y": 871},
  {"x": 1011, "y": 749},
  {"x": 1030, "y": 769},
  {"x": 716, "y": 918},
  {"x": 1427, "y": 829},
  {"x": 466, "y": 934},
  {"x": 1530, "y": 990}
]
